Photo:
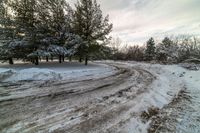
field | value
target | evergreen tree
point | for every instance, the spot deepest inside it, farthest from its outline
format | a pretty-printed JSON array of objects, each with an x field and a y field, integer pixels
[
  {"x": 6, "y": 22},
  {"x": 37, "y": 27},
  {"x": 7, "y": 32},
  {"x": 90, "y": 25},
  {"x": 25, "y": 12},
  {"x": 150, "y": 50},
  {"x": 72, "y": 44},
  {"x": 163, "y": 48},
  {"x": 60, "y": 27},
  {"x": 167, "y": 50},
  {"x": 44, "y": 23},
  {"x": 166, "y": 42},
  {"x": 61, "y": 20}
]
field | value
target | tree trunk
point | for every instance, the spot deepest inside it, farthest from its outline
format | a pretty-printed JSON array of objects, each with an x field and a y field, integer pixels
[
  {"x": 60, "y": 58},
  {"x": 47, "y": 59},
  {"x": 11, "y": 61},
  {"x": 52, "y": 58},
  {"x": 80, "y": 59},
  {"x": 70, "y": 59},
  {"x": 63, "y": 58},
  {"x": 33, "y": 61},
  {"x": 86, "y": 60},
  {"x": 37, "y": 61}
]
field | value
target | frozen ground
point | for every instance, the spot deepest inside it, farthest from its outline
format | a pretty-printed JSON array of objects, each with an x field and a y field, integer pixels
[
  {"x": 183, "y": 114},
  {"x": 108, "y": 99}
]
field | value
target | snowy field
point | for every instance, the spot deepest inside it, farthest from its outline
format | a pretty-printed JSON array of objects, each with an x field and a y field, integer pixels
[{"x": 105, "y": 96}]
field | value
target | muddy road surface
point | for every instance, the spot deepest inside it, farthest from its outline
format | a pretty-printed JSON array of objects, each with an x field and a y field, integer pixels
[{"x": 95, "y": 105}]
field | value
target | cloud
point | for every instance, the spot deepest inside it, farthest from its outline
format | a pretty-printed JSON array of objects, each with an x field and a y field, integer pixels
[{"x": 136, "y": 20}]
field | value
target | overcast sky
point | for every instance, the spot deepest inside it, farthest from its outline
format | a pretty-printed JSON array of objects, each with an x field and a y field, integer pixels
[{"x": 135, "y": 21}]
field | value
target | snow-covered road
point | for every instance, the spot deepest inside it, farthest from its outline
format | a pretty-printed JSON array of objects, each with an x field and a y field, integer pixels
[{"x": 111, "y": 103}]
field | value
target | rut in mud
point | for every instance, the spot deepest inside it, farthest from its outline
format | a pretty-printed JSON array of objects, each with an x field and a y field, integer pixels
[{"x": 99, "y": 105}]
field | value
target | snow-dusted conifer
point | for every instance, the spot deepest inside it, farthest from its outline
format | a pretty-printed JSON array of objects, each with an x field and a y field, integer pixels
[
  {"x": 167, "y": 50},
  {"x": 7, "y": 31},
  {"x": 90, "y": 25},
  {"x": 150, "y": 50}
]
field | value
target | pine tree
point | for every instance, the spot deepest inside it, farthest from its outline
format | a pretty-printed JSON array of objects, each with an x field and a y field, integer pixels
[
  {"x": 72, "y": 44},
  {"x": 25, "y": 12},
  {"x": 60, "y": 27},
  {"x": 43, "y": 23},
  {"x": 7, "y": 32},
  {"x": 90, "y": 25},
  {"x": 166, "y": 42},
  {"x": 167, "y": 50},
  {"x": 150, "y": 50},
  {"x": 163, "y": 48},
  {"x": 58, "y": 23}
]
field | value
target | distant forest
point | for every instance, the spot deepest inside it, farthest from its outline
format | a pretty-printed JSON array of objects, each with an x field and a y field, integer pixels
[{"x": 168, "y": 50}]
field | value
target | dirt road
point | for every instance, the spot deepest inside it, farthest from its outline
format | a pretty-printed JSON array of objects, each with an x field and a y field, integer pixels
[{"x": 94, "y": 105}]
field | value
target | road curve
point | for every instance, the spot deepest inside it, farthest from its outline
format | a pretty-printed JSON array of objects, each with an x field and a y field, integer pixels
[{"x": 99, "y": 105}]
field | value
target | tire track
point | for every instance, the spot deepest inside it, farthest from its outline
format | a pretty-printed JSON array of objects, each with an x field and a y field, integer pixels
[{"x": 82, "y": 106}]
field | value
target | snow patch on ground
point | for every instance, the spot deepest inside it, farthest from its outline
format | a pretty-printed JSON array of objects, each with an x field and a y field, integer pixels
[
  {"x": 161, "y": 92},
  {"x": 33, "y": 74},
  {"x": 50, "y": 72},
  {"x": 5, "y": 73}
]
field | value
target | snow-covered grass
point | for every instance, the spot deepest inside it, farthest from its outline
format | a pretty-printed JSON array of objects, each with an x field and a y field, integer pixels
[
  {"x": 188, "y": 117},
  {"x": 53, "y": 71},
  {"x": 183, "y": 114},
  {"x": 170, "y": 80}
]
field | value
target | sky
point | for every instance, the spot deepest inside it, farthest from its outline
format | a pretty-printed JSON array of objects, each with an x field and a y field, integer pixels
[{"x": 135, "y": 21}]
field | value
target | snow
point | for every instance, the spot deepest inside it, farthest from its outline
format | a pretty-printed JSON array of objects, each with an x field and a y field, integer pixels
[
  {"x": 188, "y": 117},
  {"x": 57, "y": 50},
  {"x": 4, "y": 73},
  {"x": 53, "y": 71},
  {"x": 160, "y": 93},
  {"x": 168, "y": 81},
  {"x": 33, "y": 74},
  {"x": 41, "y": 53},
  {"x": 187, "y": 110},
  {"x": 189, "y": 122},
  {"x": 164, "y": 86},
  {"x": 190, "y": 66}
]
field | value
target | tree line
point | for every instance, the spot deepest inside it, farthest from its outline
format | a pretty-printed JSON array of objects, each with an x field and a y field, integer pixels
[
  {"x": 168, "y": 50},
  {"x": 35, "y": 29}
]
